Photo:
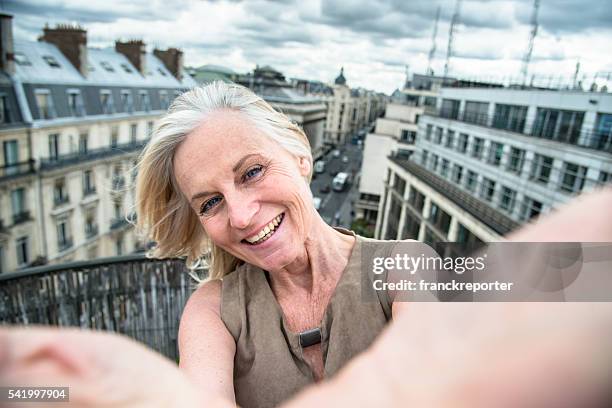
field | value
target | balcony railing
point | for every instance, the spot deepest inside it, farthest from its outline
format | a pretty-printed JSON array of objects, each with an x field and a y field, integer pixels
[
  {"x": 132, "y": 295},
  {"x": 91, "y": 154},
  {"x": 57, "y": 201},
  {"x": 23, "y": 216},
  {"x": 65, "y": 244},
  {"x": 118, "y": 183},
  {"x": 497, "y": 221},
  {"x": 17, "y": 169},
  {"x": 117, "y": 223},
  {"x": 89, "y": 191},
  {"x": 594, "y": 140}
]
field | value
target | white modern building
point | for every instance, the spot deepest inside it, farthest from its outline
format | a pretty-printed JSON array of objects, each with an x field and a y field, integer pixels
[{"x": 491, "y": 159}]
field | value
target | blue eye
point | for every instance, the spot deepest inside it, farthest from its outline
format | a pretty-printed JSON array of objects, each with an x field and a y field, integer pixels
[
  {"x": 252, "y": 172},
  {"x": 209, "y": 204}
]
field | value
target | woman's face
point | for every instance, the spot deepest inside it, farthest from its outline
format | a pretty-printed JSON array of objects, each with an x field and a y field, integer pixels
[{"x": 249, "y": 193}]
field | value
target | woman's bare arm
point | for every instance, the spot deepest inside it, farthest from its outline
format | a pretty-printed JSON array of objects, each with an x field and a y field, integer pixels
[{"x": 206, "y": 347}]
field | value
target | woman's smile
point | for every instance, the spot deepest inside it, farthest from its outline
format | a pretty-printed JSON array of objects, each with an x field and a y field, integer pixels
[{"x": 265, "y": 233}]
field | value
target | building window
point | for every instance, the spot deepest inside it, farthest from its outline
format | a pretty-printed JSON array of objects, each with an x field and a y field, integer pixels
[
  {"x": 60, "y": 193},
  {"x": 11, "y": 156},
  {"x": 88, "y": 183},
  {"x": 107, "y": 66},
  {"x": 560, "y": 125},
  {"x": 462, "y": 143},
  {"x": 510, "y": 117},
  {"x": 541, "y": 168},
  {"x": 477, "y": 147},
  {"x": 51, "y": 61},
  {"x": 119, "y": 246},
  {"x": 163, "y": 99},
  {"x": 438, "y": 136},
  {"x": 457, "y": 174},
  {"x": 496, "y": 152},
  {"x": 450, "y": 138},
  {"x": 149, "y": 129},
  {"x": 54, "y": 146},
  {"x": 83, "y": 143},
  {"x": 75, "y": 102},
  {"x": 439, "y": 218},
  {"x": 476, "y": 112},
  {"x": 450, "y": 108},
  {"x": 416, "y": 199},
  {"x": 5, "y": 113},
  {"x": 22, "y": 251},
  {"x": 145, "y": 102},
  {"x": 127, "y": 102},
  {"x": 44, "y": 102},
  {"x": 602, "y": 138},
  {"x": 444, "y": 168},
  {"x": 530, "y": 208},
  {"x": 91, "y": 229},
  {"x": 400, "y": 185},
  {"x": 508, "y": 198},
  {"x": 428, "y": 130},
  {"x": 126, "y": 68},
  {"x": 63, "y": 235},
  {"x": 106, "y": 100},
  {"x": 471, "y": 181},
  {"x": 18, "y": 202},
  {"x": 466, "y": 237},
  {"x": 434, "y": 162},
  {"x": 408, "y": 136},
  {"x": 573, "y": 177},
  {"x": 424, "y": 157},
  {"x": 604, "y": 177},
  {"x": 114, "y": 136},
  {"x": 488, "y": 189},
  {"x": 517, "y": 158},
  {"x": 133, "y": 132}
]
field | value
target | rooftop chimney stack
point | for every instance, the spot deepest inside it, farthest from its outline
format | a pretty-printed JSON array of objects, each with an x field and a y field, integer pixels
[
  {"x": 71, "y": 41},
  {"x": 7, "y": 46},
  {"x": 136, "y": 52},
  {"x": 173, "y": 60}
]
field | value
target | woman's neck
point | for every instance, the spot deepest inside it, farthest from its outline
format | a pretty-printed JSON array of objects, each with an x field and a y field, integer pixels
[{"x": 326, "y": 254}]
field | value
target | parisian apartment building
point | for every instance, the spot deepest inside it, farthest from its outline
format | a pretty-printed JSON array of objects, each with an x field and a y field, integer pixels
[
  {"x": 73, "y": 120},
  {"x": 489, "y": 159},
  {"x": 349, "y": 110}
]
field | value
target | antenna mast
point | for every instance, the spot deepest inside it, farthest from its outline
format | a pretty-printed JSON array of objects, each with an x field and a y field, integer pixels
[
  {"x": 532, "y": 36},
  {"x": 449, "y": 48},
  {"x": 432, "y": 51}
]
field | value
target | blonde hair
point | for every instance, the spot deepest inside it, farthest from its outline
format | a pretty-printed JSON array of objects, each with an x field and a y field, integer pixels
[{"x": 164, "y": 215}]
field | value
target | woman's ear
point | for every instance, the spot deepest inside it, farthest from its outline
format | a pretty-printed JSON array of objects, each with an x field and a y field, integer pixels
[{"x": 304, "y": 164}]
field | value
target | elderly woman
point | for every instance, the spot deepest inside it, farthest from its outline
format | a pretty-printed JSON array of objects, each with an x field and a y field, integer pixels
[{"x": 226, "y": 175}]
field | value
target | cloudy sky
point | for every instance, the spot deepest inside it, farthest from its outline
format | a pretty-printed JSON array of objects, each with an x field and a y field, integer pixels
[{"x": 373, "y": 40}]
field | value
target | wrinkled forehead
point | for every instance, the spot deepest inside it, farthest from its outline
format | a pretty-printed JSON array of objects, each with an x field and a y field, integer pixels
[{"x": 212, "y": 150}]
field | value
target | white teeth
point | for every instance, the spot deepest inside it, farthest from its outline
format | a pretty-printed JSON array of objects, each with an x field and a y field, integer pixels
[{"x": 265, "y": 233}]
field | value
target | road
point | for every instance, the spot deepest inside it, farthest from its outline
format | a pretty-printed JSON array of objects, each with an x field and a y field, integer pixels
[{"x": 335, "y": 202}]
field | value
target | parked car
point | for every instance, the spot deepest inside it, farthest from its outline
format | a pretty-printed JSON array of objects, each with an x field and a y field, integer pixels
[
  {"x": 317, "y": 203},
  {"x": 336, "y": 153},
  {"x": 319, "y": 166},
  {"x": 344, "y": 159}
]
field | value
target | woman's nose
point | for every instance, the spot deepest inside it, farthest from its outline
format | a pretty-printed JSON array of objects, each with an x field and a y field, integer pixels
[{"x": 241, "y": 210}]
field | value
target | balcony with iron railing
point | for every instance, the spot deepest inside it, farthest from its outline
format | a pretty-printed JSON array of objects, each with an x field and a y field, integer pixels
[
  {"x": 87, "y": 191},
  {"x": 118, "y": 222},
  {"x": 90, "y": 154},
  {"x": 10, "y": 171},
  {"x": 21, "y": 217},
  {"x": 592, "y": 139},
  {"x": 61, "y": 200},
  {"x": 65, "y": 244},
  {"x": 132, "y": 295},
  {"x": 491, "y": 217},
  {"x": 91, "y": 231}
]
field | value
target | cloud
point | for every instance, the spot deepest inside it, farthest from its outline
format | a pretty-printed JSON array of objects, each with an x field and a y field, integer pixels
[{"x": 372, "y": 39}]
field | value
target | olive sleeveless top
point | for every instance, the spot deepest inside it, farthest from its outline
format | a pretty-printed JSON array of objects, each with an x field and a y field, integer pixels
[{"x": 269, "y": 366}]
